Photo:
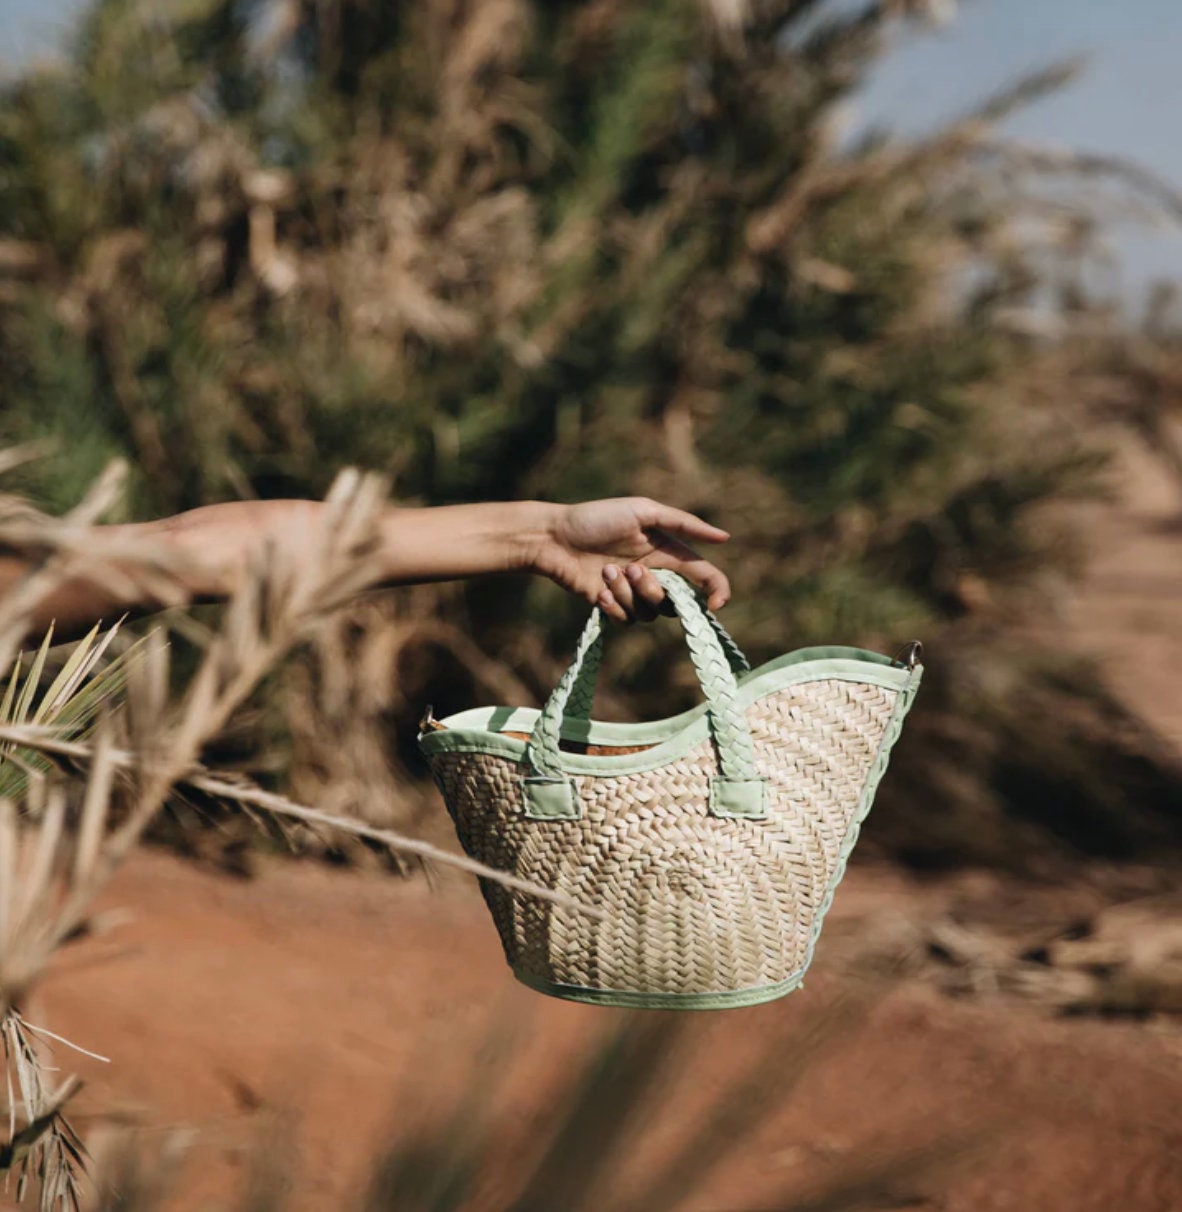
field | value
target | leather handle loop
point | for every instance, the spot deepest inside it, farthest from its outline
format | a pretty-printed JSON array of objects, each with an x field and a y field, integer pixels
[
  {"x": 582, "y": 696},
  {"x": 715, "y": 661}
]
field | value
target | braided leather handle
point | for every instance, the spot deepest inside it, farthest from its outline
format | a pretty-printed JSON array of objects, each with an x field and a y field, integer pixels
[
  {"x": 582, "y": 695},
  {"x": 712, "y": 661}
]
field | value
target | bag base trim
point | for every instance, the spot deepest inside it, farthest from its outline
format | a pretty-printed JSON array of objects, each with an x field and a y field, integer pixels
[{"x": 724, "y": 999}]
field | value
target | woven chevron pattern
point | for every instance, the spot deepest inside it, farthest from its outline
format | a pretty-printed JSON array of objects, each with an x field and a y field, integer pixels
[{"x": 693, "y": 903}]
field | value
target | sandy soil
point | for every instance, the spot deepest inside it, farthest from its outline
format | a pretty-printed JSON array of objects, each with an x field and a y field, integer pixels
[{"x": 320, "y": 990}]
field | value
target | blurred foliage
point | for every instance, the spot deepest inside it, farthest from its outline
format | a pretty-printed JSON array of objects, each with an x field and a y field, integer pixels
[{"x": 507, "y": 249}]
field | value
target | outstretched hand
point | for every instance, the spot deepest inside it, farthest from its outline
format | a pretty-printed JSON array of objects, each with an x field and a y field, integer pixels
[{"x": 604, "y": 552}]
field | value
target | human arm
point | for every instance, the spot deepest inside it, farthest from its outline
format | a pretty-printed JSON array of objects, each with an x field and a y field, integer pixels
[{"x": 599, "y": 550}]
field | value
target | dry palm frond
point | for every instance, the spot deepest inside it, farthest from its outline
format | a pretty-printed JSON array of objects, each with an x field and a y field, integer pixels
[
  {"x": 61, "y": 550},
  {"x": 239, "y": 790},
  {"x": 67, "y": 706},
  {"x": 300, "y": 577},
  {"x": 49, "y": 851},
  {"x": 356, "y": 682},
  {"x": 18, "y": 456},
  {"x": 1049, "y": 161},
  {"x": 44, "y": 1149}
]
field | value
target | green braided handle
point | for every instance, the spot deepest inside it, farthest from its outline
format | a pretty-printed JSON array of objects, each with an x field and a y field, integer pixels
[
  {"x": 582, "y": 695},
  {"x": 727, "y": 723}
]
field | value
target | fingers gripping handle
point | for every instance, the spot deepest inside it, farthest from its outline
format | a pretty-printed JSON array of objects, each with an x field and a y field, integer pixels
[
  {"x": 737, "y": 791},
  {"x": 582, "y": 696}
]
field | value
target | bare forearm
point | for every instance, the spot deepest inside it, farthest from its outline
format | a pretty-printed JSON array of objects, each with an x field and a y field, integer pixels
[
  {"x": 213, "y": 547},
  {"x": 453, "y": 541},
  {"x": 445, "y": 543}
]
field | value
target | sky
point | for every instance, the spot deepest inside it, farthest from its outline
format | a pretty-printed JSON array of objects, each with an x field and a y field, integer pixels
[{"x": 1128, "y": 101}]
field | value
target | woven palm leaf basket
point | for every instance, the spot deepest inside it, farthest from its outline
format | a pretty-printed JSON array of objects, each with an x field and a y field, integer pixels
[{"x": 712, "y": 842}]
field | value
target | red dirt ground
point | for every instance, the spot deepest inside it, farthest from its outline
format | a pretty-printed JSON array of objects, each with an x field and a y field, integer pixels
[{"x": 317, "y": 989}]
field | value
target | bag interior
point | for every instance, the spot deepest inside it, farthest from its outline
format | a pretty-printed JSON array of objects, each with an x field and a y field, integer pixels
[{"x": 564, "y": 745}]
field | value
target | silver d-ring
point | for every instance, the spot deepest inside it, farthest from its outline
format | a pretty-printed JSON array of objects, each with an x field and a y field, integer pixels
[{"x": 910, "y": 655}]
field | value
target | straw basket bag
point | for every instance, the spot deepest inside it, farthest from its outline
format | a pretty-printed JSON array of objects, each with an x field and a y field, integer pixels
[{"x": 712, "y": 842}]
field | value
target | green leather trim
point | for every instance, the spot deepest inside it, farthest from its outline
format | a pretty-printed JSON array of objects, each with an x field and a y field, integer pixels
[
  {"x": 547, "y": 799},
  {"x": 745, "y": 798},
  {"x": 866, "y": 800},
  {"x": 557, "y": 799},
  {"x": 480, "y": 730},
  {"x": 727, "y": 999}
]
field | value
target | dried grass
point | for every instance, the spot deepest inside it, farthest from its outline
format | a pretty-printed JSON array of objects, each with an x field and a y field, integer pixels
[{"x": 44, "y": 1153}]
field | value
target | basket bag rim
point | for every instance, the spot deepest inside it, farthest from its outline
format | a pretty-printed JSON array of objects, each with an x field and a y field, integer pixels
[{"x": 482, "y": 729}]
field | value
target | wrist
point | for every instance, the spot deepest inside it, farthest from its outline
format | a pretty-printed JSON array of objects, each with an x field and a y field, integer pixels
[
  {"x": 532, "y": 535},
  {"x": 210, "y": 558}
]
